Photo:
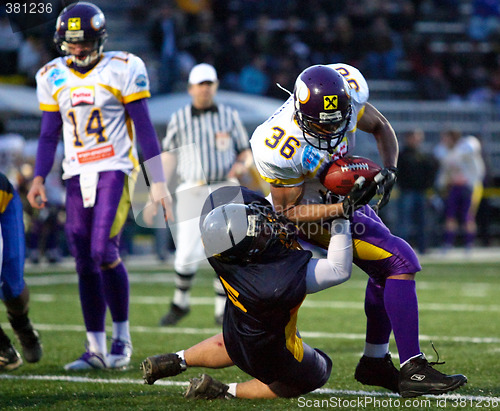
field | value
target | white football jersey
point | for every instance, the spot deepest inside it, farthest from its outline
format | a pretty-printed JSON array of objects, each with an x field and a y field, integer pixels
[
  {"x": 98, "y": 134},
  {"x": 463, "y": 163},
  {"x": 283, "y": 156}
]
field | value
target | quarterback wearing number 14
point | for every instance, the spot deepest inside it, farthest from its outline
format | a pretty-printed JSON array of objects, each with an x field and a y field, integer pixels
[{"x": 99, "y": 100}]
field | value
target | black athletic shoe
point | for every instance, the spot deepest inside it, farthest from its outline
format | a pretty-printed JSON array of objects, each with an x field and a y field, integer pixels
[
  {"x": 160, "y": 366},
  {"x": 378, "y": 371},
  {"x": 417, "y": 377},
  {"x": 30, "y": 343},
  {"x": 175, "y": 314},
  {"x": 207, "y": 388},
  {"x": 9, "y": 358}
]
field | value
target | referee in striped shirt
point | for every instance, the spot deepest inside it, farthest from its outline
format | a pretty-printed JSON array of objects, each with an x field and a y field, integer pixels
[{"x": 211, "y": 146}]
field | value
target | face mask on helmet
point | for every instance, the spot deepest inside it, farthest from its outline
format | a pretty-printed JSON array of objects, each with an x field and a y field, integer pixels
[
  {"x": 81, "y": 33},
  {"x": 323, "y": 107},
  {"x": 238, "y": 233}
]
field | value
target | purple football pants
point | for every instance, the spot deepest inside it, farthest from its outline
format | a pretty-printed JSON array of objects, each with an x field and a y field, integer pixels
[
  {"x": 458, "y": 203},
  {"x": 93, "y": 236},
  {"x": 377, "y": 251},
  {"x": 390, "y": 305}
]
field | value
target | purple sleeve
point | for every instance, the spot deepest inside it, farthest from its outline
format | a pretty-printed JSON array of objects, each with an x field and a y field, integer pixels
[
  {"x": 47, "y": 144},
  {"x": 146, "y": 137}
]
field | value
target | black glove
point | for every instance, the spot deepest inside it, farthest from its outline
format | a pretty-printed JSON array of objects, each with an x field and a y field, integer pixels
[
  {"x": 385, "y": 181},
  {"x": 359, "y": 196}
]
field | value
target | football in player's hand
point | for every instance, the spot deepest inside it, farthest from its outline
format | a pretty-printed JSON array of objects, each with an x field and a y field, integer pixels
[{"x": 340, "y": 176}]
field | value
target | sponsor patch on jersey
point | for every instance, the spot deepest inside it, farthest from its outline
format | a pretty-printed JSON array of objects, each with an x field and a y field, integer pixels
[
  {"x": 95, "y": 154},
  {"x": 341, "y": 150},
  {"x": 84, "y": 95},
  {"x": 311, "y": 158},
  {"x": 57, "y": 77},
  {"x": 141, "y": 80},
  {"x": 330, "y": 102}
]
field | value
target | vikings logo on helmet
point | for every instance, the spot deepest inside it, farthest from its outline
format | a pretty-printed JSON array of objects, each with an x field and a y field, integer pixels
[
  {"x": 77, "y": 23},
  {"x": 322, "y": 106}
]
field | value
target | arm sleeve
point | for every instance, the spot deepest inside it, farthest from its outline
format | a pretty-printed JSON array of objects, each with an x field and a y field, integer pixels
[
  {"x": 146, "y": 137},
  {"x": 47, "y": 144},
  {"x": 336, "y": 268}
]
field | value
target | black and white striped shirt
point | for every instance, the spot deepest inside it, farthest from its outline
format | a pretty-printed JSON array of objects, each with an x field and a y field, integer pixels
[{"x": 208, "y": 142}]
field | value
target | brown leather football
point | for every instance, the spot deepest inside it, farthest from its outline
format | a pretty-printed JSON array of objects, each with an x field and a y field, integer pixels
[{"x": 340, "y": 176}]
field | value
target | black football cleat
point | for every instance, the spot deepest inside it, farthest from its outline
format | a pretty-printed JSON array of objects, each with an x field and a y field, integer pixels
[
  {"x": 417, "y": 377},
  {"x": 9, "y": 358},
  {"x": 175, "y": 314},
  {"x": 207, "y": 388},
  {"x": 161, "y": 366},
  {"x": 380, "y": 372},
  {"x": 30, "y": 342}
]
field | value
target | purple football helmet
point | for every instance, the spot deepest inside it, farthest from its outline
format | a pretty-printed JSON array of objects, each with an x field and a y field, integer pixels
[
  {"x": 81, "y": 23},
  {"x": 323, "y": 107}
]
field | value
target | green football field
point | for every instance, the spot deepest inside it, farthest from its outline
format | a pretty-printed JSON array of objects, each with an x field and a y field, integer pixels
[{"x": 459, "y": 313}]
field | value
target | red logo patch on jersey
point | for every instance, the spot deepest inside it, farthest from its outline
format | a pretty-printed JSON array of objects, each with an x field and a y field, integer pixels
[
  {"x": 82, "y": 95},
  {"x": 95, "y": 154}
]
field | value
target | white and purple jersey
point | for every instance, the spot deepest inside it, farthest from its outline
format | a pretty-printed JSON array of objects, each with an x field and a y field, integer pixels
[
  {"x": 283, "y": 157},
  {"x": 463, "y": 164},
  {"x": 98, "y": 134},
  {"x": 281, "y": 153}
]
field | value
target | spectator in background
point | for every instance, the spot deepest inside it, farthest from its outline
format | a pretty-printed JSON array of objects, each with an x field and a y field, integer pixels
[
  {"x": 193, "y": 6},
  {"x": 430, "y": 78},
  {"x": 164, "y": 40},
  {"x": 200, "y": 40},
  {"x": 9, "y": 46},
  {"x": 253, "y": 77},
  {"x": 488, "y": 93},
  {"x": 461, "y": 175},
  {"x": 417, "y": 171},
  {"x": 347, "y": 44},
  {"x": 32, "y": 55},
  {"x": 384, "y": 50},
  {"x": 484, "y": 21}
]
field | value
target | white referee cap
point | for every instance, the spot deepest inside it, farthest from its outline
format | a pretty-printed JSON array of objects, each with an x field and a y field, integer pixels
[{"x": 202, "y": 72}]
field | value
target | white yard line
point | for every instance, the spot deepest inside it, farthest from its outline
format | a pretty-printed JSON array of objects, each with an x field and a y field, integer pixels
[
  {"x": 66, "y": 378},
  {"x": 147, "y": 300},
  {"x": 327, "y": 391},
  {"x": 168, "y": 277},
  {"x": 305, "y": 334}
]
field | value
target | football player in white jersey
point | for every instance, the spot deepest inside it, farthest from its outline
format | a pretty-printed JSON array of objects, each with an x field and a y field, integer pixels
[
  {"x": 98, "y": 99},
  {"x": 461, "y": 175},
  {"x": 314, "y": 126}
]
